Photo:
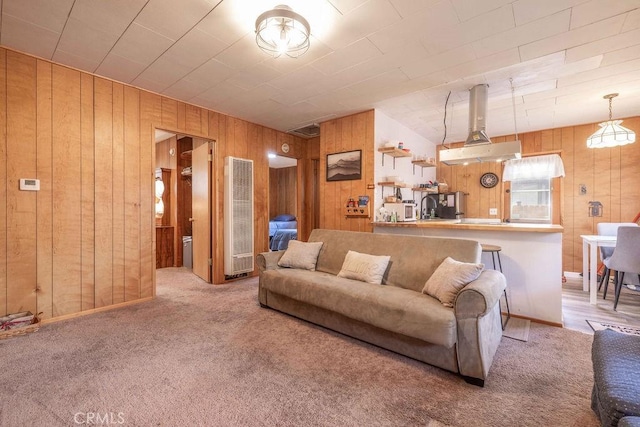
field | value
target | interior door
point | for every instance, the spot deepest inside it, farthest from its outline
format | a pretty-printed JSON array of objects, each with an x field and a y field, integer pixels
[{"x": 201, "y": 211}]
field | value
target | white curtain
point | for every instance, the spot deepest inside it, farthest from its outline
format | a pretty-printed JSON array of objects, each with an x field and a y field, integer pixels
[{"x": 534, "y": 167}]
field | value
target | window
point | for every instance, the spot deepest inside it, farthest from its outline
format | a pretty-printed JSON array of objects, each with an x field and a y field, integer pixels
[{"x": 531, "y": 200}]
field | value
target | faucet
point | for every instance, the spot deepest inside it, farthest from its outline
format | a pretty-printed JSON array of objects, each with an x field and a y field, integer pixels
[{"x": 423, "y": 212}]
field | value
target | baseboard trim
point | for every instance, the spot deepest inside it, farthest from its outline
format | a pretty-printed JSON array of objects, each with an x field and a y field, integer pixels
[
  {"x": 94, "y": 310},
  {"x": 542, "y": 322}
]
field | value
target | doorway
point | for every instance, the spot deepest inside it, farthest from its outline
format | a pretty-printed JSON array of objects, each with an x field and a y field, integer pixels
[
  {"x": 185, "y": 162},
  {"x": 283, "y": 201}
]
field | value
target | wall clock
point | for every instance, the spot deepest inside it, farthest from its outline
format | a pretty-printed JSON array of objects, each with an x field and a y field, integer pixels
[
  {"x": 285, "y": 148},
  {"x": 489, "y": 180}
]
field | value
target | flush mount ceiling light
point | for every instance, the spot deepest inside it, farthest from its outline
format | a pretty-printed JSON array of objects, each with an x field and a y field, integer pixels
[
  {"x": 611, "y": 134},
  {"x": 281, "y": 31}
]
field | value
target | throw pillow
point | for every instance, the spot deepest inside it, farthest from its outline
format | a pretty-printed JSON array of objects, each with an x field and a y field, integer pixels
[
  {"x": 364, "y": 267},
  {"x": 284, "y": 217},
  {"x": 301, "y": 255},
  {"x": 449, "y": 278}
]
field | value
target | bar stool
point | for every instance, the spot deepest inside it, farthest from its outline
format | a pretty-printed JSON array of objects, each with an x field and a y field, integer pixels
[{"x": 495, "y": 251}]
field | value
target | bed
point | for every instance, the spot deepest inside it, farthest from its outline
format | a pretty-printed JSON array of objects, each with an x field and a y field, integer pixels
[{"x": 282, "y": 228}]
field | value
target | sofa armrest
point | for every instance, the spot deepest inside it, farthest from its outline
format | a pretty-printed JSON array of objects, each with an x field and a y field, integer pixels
[
  {"x": 268, "y": 260},
  {"x": 479, "y": 324},
  {"x": 480, "y": 296}
]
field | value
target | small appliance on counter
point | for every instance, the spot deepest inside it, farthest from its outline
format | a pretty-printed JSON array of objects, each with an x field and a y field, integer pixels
[
  {"x": 443, "y": 206},
  {"x": 402, "y": 212}
]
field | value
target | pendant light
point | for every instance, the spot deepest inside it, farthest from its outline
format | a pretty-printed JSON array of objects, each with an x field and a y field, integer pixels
[{"x": 611, "y": 133}]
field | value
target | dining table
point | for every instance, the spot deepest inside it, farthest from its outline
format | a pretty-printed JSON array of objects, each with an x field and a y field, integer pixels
[{"x": 590, "y": 245}]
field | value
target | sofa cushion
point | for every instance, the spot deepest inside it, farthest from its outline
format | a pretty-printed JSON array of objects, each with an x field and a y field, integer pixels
[
  {"x": 301, "y": 255},
  {"x": 449, "y": 279},
  {"x": 364, "y": 267},
  {"x": 391, "y": 308},
  {"x": 413, "y": 258}
]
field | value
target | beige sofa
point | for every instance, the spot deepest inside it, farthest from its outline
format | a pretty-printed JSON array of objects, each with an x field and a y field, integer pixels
[{"x": 395, "y": 315}]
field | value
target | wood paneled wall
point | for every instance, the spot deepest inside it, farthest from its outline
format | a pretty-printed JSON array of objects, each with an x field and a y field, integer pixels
[
  {"x": 283, "y": 191},
  {"x": 610, "y": 175},
  {"x": 86, "y": 240},
  {"x": 355, "y": 132}
]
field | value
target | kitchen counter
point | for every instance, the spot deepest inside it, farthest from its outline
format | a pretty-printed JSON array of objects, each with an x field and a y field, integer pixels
[
  {"x": 478, "y": 224},
  {"x": 531, "y": 258}
]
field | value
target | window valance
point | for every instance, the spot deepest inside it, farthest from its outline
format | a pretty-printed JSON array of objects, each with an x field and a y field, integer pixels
[{"x": 534, "y": 167}]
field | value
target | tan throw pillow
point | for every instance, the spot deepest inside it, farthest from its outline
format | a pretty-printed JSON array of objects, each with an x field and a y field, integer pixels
[
  {"x": 449, "y": 278},
  {"x": 302, "y": 255},
  {"x": 364, "y": 267}
]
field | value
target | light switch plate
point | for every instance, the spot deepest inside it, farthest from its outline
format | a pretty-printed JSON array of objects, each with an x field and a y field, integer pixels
[{"x": 493, "y": 211}]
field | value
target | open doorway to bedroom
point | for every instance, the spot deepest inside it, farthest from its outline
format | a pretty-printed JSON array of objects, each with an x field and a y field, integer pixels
[{"x": 283, "y": 201}]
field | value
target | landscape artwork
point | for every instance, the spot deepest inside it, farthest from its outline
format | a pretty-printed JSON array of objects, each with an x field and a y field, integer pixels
[{"x": 344, "y": 166}]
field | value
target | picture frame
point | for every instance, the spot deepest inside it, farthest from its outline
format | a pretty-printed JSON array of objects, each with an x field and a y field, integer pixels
[{"x": 344, "y": 166}]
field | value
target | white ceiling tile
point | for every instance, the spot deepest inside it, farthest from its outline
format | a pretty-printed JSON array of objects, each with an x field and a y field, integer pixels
[
  {"x": 27, "y": 37},
  {"x": 633, "y": 21},
  {"x": 346, "y": 6},
  {"x": 171, "y": 18},
  {"x": 621, "y": 55},
  {"x": 532, "y": 10},
  {"x": 298, "y": 78},
  {"x": 602, "y": 73},
  {"x": 597, "y": 10},
  {"x": 75, "y": 61},
  {"x": 440, "y": 62},
  {"x": 254, "y": 76},
  {"x": 47, "y": 14},
  {"x": 184, "y": 89},
  {"x": 598, "y": 47},
  {"x": 469, "y": 9},
  {"x": 219, "y": 93},
  {"x": 149, "y": 85},
  {"x": 195, "y": 48},
  {"x": 227, "y": 22},
  {"x": 523, "y": 34},
  {"x": 210, "y": 73},
  {"x": 82, "y": 40},
  {"x": 582, "y": 35},
  {"x": 406, "y": 8},
  {"x": 141, "y": 44},
  {"x": 164, "y": 72},
  {"x": 109, "y": 16},
  {"x": 244, "y": 53},
  {"x": 351, "y": 55},
  {"x": 118, "y": 68}
]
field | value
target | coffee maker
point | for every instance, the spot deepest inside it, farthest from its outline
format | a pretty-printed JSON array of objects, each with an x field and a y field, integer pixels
[{"x": 451, "y": 205}]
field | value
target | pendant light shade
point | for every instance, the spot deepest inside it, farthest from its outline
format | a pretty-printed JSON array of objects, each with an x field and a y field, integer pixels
[
  {"x": 611, "y": 133},
  {"x": 281, "y": 31}
]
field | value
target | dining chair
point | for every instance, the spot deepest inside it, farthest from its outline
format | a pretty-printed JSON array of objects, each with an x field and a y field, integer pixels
[
  {"x": 625, "y": 258},
  {"x": 608, "y": 229}
]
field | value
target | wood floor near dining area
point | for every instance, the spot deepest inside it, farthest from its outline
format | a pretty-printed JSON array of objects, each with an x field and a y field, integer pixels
[{"x": 576, "y": 309}]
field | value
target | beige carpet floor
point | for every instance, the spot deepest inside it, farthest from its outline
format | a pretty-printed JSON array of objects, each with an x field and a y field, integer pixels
[{"x": 203, "y": 355}]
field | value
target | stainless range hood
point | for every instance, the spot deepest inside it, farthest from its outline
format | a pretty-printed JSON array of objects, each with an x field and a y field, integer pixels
[{"x": 478, "y": 147}]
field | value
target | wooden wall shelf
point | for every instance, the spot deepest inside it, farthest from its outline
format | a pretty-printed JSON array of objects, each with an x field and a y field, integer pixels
[
  {"x": 357, "y": 212},
  {"x": 393, "y": 152}
]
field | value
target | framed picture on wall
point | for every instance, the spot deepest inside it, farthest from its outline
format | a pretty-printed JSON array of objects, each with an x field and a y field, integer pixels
[{"x": 344, "y": 166}]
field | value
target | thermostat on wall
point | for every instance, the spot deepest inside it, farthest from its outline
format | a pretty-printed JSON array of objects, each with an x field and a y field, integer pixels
[{"x": 29, "y": 184}]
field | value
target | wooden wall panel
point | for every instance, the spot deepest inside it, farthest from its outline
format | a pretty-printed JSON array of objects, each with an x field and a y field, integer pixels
[
  {"x": 118, "y": 194},
  {"x": 88, "y": 198},
  {"x": 104, "y": 197},
  {"x": 66, "y": 180},
  {"x": 150, "y": 116},
  {"x": 132, "y": 194},
  {"x": 21, "y": 163},
  {"x": 349, "y": 133},
  {"x": 3, "y": 182},
  {"x": 45, "y": 195}
]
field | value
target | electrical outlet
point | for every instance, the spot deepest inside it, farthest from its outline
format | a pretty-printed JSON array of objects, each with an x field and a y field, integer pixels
[{"x": 493, "y": 211}]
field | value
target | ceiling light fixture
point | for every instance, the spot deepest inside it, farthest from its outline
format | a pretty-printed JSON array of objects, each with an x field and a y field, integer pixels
[
  {"x": 611, "y": 134},
  {"x": 281, "y": 31}
]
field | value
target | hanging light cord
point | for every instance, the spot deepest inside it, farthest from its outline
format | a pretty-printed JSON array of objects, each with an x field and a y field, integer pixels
[
  {"x": 513, "y": 102},
  {"x": 444, "y": 120},
  {"x": 610, "y": 110}
]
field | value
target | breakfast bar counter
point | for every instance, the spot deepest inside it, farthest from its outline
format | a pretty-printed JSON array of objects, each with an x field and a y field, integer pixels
[{"x": 531, "y": 258}]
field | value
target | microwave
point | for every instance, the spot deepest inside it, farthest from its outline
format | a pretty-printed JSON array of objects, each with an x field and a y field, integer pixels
[{"x": 404, "y": 211}]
